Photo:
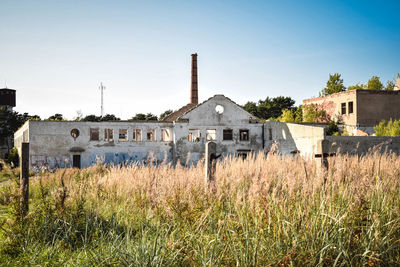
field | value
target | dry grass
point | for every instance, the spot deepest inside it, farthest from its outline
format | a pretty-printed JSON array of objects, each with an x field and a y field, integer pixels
[{"x": 263, "y": 211}]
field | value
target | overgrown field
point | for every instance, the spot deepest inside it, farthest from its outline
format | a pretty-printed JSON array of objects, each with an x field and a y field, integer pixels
[{"x": 262, "y": 212}]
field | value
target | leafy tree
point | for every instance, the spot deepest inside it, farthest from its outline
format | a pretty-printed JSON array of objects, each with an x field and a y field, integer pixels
[
  {"x": 374, "y": 83},
  {"x": 333, "y": 85},
  {"x": 56, "y": 117},
  {"x": 91, "y": 118},
  {"x": 151, "y": 117},
  {"x": 139, "y": 117},
  {"x": 298, "y": 115},
  {"x": 109, "y": 117},
  {"x": 390, "y": 128},
  {"x": 357, "y": 86},
  {"x": 287, "y": 116},
  {"x": 165, "y": 114},
  {"x": 333, "y": 128},
  {"x": 270, "y": 107},
  {"x": 390, "y": 85},
  {"x": 314, "y": 113}
]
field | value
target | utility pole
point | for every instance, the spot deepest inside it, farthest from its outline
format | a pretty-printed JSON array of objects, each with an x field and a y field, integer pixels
[{"x": 102, "y": 88}]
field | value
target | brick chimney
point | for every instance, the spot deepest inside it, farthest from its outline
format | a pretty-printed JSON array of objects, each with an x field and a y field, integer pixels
[{"x": 194, "y": 98}]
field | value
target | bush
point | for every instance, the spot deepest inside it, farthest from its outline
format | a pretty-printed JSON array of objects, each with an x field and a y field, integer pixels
[
  {"x": 13, "y": 158},
  {"x": 390, "y": 128}
]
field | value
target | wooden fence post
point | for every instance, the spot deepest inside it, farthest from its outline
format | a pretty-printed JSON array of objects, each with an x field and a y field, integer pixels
[
  {"x": 24, "y": 163},
  {"x": 210, "y": 157}
]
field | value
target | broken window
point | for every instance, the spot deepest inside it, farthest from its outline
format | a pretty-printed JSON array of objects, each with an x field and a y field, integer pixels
[
  {"x": 123, "y": 135},
  {"x": 108, "y": 134},
  {"x": 270, "y": 134},
  {"x": 137, "y": 135},
  {"x": 194, "y": 135},
  {"x": 211, "y": 134},
  {"x": 75, "y": 133},
  {"x": 227, "y": 134},
  {"x": 244, "y": 135},
  {"x": 94, "y": 134},
  {"x": 151, "y": 135},
  {"x": 350, "y": 107},
  {"x": 166, "y": 135},
  {"x": 343, "y": 108}
]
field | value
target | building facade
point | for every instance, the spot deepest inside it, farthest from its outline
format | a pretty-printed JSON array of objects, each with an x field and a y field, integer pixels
[{"x": 360, "y": 110}]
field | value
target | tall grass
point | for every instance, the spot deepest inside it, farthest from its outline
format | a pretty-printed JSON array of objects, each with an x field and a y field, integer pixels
[{"x": 262, "y": 212}]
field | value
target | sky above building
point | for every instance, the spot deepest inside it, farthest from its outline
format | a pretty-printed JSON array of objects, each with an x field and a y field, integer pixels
[{"x": 56, "y": 53}]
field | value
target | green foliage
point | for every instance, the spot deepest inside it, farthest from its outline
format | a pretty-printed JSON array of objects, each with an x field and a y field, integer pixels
[
  {"x": 290, "y": 115},
  {"x": 143, "y": 117},
  {"x": 333, "y": 128},
  {"x": 390, "y": 85},
  {"x": 13, "y": 157},
  {"x": 165, "y": 114},
  {"x": 270, "y": 107},
  {"x": 333, "y": 85},
  {"x": 109, "y": 117},
  {"x": 374, "y": 83},
  {"x": 315, "y": 114},
  {"x": 55, "y": 117},
  {"x": 390, "y": 128},
  {"x": 91, "y": 117},
  {"x": 357, "y": 86}
]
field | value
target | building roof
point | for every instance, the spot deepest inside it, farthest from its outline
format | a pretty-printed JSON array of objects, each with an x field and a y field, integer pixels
[
  {"x": 175, "y": 115},
  {"x": 357, "y": 91}
]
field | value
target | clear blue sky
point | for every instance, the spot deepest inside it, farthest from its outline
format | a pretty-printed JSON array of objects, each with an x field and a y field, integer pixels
[{"x": 56, "y": 53}]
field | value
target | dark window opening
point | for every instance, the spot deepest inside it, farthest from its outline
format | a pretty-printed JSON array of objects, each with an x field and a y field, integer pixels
[
  {"x": 227, "y": 134},
  {"x": 74, "y": 133},
  {"x": 108, "y": 134},
  {"x": 244, "y": 135},
  {"x": 270, "y": 134},
  {"x": 351, "y": 107},
  {"x": 94, "y": 134},
  {"x": 151, "y": 136},
  {"x": 343, "y": 108}
]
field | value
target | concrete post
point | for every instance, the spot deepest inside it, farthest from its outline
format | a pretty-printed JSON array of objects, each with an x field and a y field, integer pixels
[
  {"x": 210, "y": 157},
  {"x": 322, "y": 150},
  {"x": 24, "y": 163}
]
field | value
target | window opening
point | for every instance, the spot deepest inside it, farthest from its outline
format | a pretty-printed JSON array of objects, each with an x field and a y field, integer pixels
[
  {"x": 75, "y": 133},
  {"x": 123, "y": 135},
  {"x": 350, "y": 107},
  {"x": 137, "y": 135},
  {"x": 194, "y": 135},
  {"x": 94, "y": 134},
  {"x": 343, "y": 108},
  {"x": 211, "y": 135},
  {"x": 151, "y": 135},
  {"x": 108, "y": 134},
  {"x": 244, "y": 135},
  {"x": 227, "y": 134},
  {"x": 165, "y": 135}
]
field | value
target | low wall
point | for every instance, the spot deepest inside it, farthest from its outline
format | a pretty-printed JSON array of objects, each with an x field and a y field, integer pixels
[
  {"x": 361, "y": 145},
  {"x": 293, "y": 138}
]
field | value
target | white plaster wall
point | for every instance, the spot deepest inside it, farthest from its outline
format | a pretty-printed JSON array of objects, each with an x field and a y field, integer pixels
[
  {"x": 52, "y": 145},
  {"x": 291, "y": 137}
]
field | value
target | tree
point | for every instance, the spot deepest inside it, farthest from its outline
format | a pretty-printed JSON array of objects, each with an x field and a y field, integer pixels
[
  {"x": 165, "y": 114},
  {"x": 390, "y": 128},
  {"x": 287, "y": 116},
  {"x": 56, "y": 117},
  {"x": 109, "y": 117},
  {"x": 374, "y": 83},
  {"x": 390, "y": 86},
  {"x": 270, "y": 107},
  {"x": 356, "y": 87},
  {"x": 91, "y": 117},
  {"x": 314, "y": 113},
  {"x": 139, "y": 117},
  {"x": 151, "y": 117},
  {"x": 333, "y": 85}
]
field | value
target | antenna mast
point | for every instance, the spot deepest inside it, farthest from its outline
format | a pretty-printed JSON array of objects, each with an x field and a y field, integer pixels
[{"x": 102, "y": 88}]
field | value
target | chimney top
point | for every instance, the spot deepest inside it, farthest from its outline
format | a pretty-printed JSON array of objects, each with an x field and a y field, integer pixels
[{"x": 194, "y": 98}]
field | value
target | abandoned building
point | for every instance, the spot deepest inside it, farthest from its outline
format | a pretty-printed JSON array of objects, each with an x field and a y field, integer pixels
[
  {"x": 181, "y": 136},
  {"x": 360, "y": 110}
]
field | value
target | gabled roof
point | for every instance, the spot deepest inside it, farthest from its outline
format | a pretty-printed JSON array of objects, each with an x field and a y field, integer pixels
[
  {"x": 175, "y": 115},
  {"x": 189, "y": 107}
]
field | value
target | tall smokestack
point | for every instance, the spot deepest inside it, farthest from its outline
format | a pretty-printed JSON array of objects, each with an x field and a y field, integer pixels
[{"x": 194, "y": 98}]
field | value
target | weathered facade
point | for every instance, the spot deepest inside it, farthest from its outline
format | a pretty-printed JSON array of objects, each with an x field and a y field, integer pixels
[{"x": 360, "y": 110}]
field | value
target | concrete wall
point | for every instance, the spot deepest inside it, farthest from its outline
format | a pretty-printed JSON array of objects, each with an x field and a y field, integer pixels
[
  {"x": 360, "y": 145},
  {"x": 206, "y": 117},
  {"x": 51, "y": 143},
  {"x": 291, "y": 138},
  {"x": 374, "y": 106}
]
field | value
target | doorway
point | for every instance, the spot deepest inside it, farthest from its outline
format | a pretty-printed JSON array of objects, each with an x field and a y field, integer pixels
[{"x": 76, "y": 161}]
